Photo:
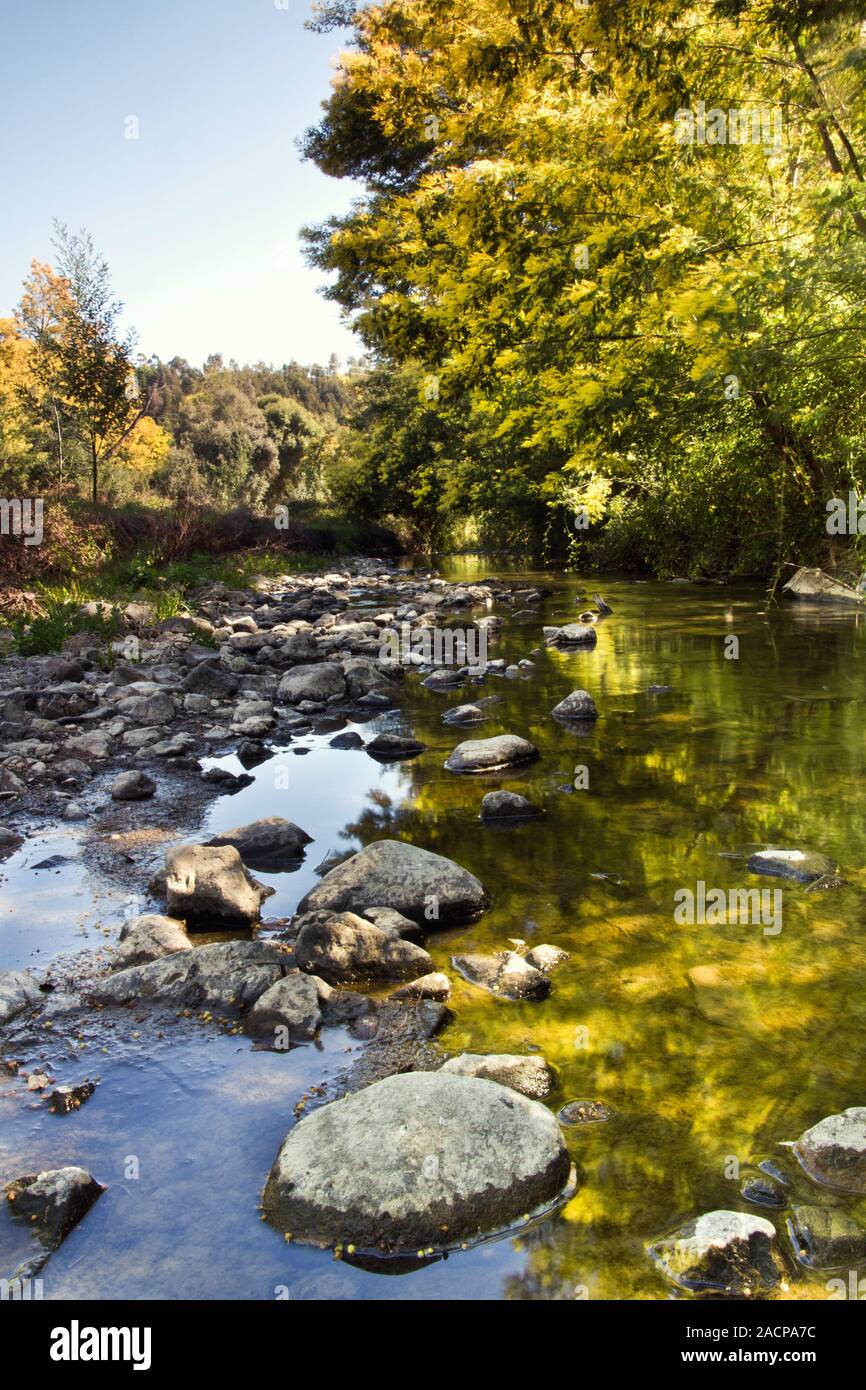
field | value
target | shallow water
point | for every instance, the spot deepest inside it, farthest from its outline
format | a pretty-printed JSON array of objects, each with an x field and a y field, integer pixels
[{"x": 710, "y": 1043}]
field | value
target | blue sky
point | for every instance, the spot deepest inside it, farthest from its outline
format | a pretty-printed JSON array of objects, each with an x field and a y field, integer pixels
[{"x": 199, "y": 216}]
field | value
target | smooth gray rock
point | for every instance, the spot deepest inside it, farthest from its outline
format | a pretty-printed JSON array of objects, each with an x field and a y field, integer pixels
[
  {"x": 571, "y": 635},
  {"x": 387, "y": 747},
  {"x": 321, "y": 681},
  {"x": 149, "y": 937},
  {"x": 434, "y": 986},
  {"x": 132, "y": 786},
  {"x": 226, "y": 976},
  {"x": 428, "y": 888},
  {"x": 508, "y": 806},
  {"x": 209, "y": 678},
  {"x": 418, "y": 1160},
  {"x": 546, "y": 958},
  {"x": 801, "y": 866},
  {"x": 464, "y": 714},
  {"x": 833, "y": 1151},
  {"x": 491, "y": 754},
  {"x": 266, "y": 842},
  {"x": 53, "y": 1202},
  {"x": 506, "y": 973},
  {"x": 531, "y": 1075},
  {"x": 723, "y": 1252},
  {"x": 579, "y": 705},
  {"x": 341, "y": 947},
  {"x": 203, "y": 881},
  {"x": 394, "y": 923},
  {"x": 445, "y": 678},
  {"x": 18, "y": 991},
  {"x": 292, "y": 1003}
]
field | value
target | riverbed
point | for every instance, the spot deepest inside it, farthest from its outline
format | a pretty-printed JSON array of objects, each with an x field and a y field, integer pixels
[{"x": 711, "y": 1045}]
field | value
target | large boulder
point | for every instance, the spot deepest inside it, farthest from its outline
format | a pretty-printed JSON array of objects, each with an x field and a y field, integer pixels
[
  {"x": 18, "y": 991},
  {"x": 722, "y": 1252},
  {"x": 147, "y": 938},
  {"x": 530, "y": 1075},
  {"x": 801, "y": 866},
  {"x": 366, "y": 677},
  {"x": 425, "y": 887},
  {"x": 53, "y": 1202},
  {"x": 342, "y": 946},
  {"x": 266, "y": 843},
  {"x": 578, "y": 706},
  {"x": 833, "y": 1151},
  {"x": 226, "y": 976},
  {"x": 506, "y": 973},
  {"x": 417, "y": 1160},
  {"x": 491, "y": 754},
  {"x": 210, "y": 882},
  {"x": 321, "y": 681}
]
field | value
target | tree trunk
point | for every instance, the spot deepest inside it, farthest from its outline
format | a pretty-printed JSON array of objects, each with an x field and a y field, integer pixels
[{"x": 94, "y": 473}]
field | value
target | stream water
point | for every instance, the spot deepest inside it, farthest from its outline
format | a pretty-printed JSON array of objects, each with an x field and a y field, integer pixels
[{"x": 711, "y": 1044}]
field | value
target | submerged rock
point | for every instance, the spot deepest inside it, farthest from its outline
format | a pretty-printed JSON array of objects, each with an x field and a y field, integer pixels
[
  {"x": 508, "y": 806},
  {"x": 833, "y": 1151},
  {"x": 53, "y": 1202},
  {"x": 428, "y": 888},
  {"x": 204, "y": 881},
  {"x": 531, "y": 1076},
  {"x": 147, "y": 938},
  {"x": 491, "y": 754},
  {"x": 342, "y": 946},
  {"x": 722, "y": 1252},
  {"x": 585, "y": 1112},
  {"x": 507, "y": 974},
  {"x": 799, "y": 865},
  {"x": 265, "y": 843},
  {"x": 825, "y": 1238},
  {"x": 578, "y": 706},
  {"x": 18, "y": 991},
  {"x": 416, "y": 1160}
]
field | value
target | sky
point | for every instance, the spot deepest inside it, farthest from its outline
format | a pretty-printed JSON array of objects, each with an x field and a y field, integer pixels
[{"x": 199, "y": 216}]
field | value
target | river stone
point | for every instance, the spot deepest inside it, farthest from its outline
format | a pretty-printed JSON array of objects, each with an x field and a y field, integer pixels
[
  {"x": 443, "y": 679},
  {"x": 53, "y": 1202},
  {"x": 546, "y": 958},
  {"x": 342, "y": 946},
  {"x": 393, "y": 923},
  {"x": 464, "y": 714},
  {"x": 292, "y": 1003},
  {"x": 204, "y": 881},
  {"x": 833, "y": 1151},
  {"x": 825, "y": 1238},
  {"x": 266, "y": 842},
  {"x": 491, "y": 754},
  {"x": 228, "y": 976},
  {"x": 531, "y": 1076},
  {"x": 18, "y": 991},
  {"x": 209, "y": 678},
  {"x": 413, "y": 881},
  {"x": 507, "y": 806},
  {"x": 148, "y": 938},
  {"x": 578, "y": 705},
  {"x": 506, "y": 973},
  {"x": 132, "y": 786},
  {"x": 387, "y": 747},
  {"x": 434, "y": 986},
  {"x": 571, "y": 635},
  {"x": 723, "y": 1252},
  {"x": 799, "y": 865},
  {"x": 319, "y": 682},
  {"x": 416, "y": 1160}
]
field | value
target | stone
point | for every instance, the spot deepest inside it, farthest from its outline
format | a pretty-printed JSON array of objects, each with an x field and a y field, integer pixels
[
  {"x": 18, "y": 991},
  {"x": 579, "y": 705},
  {"x": 317, "y": 682},
  {"x": 132, "y": 786},
  {"x": 571, "y": 635},
  {"x": 266, "y": 843},
  {"x": 149, "y": 937},
  {"x": 211, "y": 882},
  {"x": 491, "y": 754},
  {"x": 53, "y": 1202},
  {"x": 826, "y": 1238},
  {"x": 585, "y": 1112},
  {"x": 443, "y": 679},
  {"x": 394, "y": 923},
  {"x": 799, "y": 865},
  {"x": 416, "y": 1160},
  {"x": 732, "y": 1253},
  {"x": 530, "y": 1076},
  {"x": 464, "y": 714},
  {"x": 506, "y": 973},
  {"x": 349, "y": 739},
  {"x": 341, "y": 947},
  {"x": 507, "y": 806},
  {"x": 433, "y": 986},
  {"x": 391, "y": 747},
  {"x": 428, "y": 888},
  {"x": 208, "y": 677},
  {"x": 292, "y": 1003},
  {"x": 546, "y": 958},
  {"x": 833, "y": 1151},
  {"x": 226, "y": 976}
]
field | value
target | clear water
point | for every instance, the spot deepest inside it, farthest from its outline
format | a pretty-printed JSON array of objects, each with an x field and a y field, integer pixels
[{"x": 710, "y": 1043}]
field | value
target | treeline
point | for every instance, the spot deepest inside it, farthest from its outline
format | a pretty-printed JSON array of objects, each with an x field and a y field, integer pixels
[{"x": 611, "y": 265}]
